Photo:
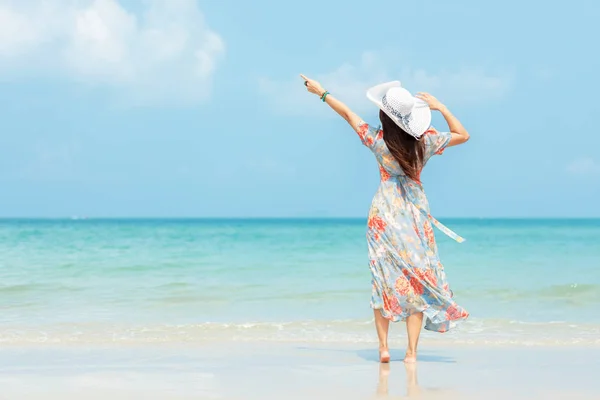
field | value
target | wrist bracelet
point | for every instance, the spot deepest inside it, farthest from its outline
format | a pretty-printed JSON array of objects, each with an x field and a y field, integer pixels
[{"x": 324, "y": 96}]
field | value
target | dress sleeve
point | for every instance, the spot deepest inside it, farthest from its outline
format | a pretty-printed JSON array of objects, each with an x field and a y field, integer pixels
[
  {"x": 435, "y": 142},
  {"x": 368, "y": 135}
]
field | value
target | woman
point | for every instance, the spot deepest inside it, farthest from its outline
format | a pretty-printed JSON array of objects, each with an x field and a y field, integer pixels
[{"x": 408, "y": 279}]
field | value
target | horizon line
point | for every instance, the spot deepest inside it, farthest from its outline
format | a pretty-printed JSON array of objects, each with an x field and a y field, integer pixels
[{"x": 83, "y": 218}]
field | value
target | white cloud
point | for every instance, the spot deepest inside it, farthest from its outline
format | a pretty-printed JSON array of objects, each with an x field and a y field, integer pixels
[
  {"x": 349, "y": 82},
  {"x": 161, "y": 52},
  {"x": 464, "y": 86},
  {"x": 584, "y": 166}
]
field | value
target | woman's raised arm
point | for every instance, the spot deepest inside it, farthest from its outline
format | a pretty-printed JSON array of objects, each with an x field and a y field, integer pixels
[
  {"x": 457, "y": 130},
  {"x": 342, "y": 109}
]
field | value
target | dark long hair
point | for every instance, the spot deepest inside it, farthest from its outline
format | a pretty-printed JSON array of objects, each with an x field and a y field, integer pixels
[{"x": 407, "y": 150}]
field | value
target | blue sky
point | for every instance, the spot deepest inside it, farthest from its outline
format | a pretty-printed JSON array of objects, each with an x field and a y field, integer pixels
[{"x": 194, "y": 108}]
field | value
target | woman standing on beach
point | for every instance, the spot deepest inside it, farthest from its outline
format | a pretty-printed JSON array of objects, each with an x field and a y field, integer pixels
[{"x": 408, "y": 278}]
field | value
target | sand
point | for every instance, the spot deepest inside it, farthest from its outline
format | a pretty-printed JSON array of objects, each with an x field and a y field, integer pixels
[{"x": 263, "y": 370}]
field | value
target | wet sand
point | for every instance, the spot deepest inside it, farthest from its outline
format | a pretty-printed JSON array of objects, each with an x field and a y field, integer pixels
[{"x": 275, "y": 370}]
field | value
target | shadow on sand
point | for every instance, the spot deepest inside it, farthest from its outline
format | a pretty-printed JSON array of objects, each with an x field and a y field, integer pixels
[
  {"x": 371, "y": 355},
  {"x": 396, "y": 355}
]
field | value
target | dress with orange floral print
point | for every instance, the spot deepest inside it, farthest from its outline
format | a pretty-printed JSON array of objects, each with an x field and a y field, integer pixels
[{"x": 407, "y": 274}]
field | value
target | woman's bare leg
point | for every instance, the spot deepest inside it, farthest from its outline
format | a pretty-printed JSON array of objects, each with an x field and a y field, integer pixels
[
  {"x": 414, "y": 323},
  {"x": 382, "y": 324}
]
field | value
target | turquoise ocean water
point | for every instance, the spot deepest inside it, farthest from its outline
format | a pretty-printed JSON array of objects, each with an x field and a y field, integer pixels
[{"x": 129, "y": 281}]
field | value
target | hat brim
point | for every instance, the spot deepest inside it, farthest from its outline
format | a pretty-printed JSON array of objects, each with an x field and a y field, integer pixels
[{"x": 421, "y": 113}]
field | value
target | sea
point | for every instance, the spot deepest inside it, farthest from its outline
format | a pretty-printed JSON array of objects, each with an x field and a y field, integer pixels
[{"x": 128, "y": 281}]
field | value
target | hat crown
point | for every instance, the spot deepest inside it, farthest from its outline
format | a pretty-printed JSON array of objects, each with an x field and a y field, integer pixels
[
  {"x": 410, "y": 113},
  {"x": 399, "y": 101}
]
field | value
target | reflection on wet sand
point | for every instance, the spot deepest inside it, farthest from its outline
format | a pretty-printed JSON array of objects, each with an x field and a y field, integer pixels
[
  {"x": 413, "y": 389},
  {"x": 412, "y": 384},
  {"x": 382, "y": 385}
]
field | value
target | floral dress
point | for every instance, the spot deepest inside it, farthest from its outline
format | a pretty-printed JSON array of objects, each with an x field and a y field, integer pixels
[{"x": 407, "y": 274}]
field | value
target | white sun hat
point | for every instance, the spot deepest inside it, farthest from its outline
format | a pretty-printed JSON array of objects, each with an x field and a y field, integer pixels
[{"x": 408, "y": 112}]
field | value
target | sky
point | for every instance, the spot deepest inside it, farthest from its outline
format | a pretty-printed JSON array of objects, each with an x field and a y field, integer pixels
[{"x": 185, "y": 108}]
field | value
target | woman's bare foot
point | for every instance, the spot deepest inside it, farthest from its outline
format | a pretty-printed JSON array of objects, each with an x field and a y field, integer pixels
[
  {"x": 384, "y": 355},
  {"x": 410, "y": 357}
]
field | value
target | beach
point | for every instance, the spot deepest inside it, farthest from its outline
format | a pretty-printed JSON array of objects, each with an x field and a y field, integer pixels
[
  {"x": 260, "y": 370},
  {"x": 249, "y": 309}
]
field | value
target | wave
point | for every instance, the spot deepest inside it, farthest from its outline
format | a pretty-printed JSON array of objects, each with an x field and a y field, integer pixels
[
  {"x": 488, "y": 332},
  {"x": 185, "y": 293},
  {"x": 568, "y": 295},
  {"x": 28, "y": 288},
  {"x": 567, "y": 292}
]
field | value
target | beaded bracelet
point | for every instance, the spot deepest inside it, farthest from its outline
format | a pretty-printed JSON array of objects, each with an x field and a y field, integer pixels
[{"x": 324, "y": 96}]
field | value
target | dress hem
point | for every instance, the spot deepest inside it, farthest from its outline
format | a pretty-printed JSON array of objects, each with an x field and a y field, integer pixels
[{"x": 432, "y": 323}]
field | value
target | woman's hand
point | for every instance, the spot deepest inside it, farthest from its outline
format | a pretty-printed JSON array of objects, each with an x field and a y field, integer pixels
[
  {"x": 313, "y": 86},
  {"x": 433, "y": 103},
  {"x": 458, "y": 132}
]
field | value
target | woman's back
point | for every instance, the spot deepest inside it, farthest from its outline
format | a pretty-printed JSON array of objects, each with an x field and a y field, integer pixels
[{"x": 433, "y": 142}]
